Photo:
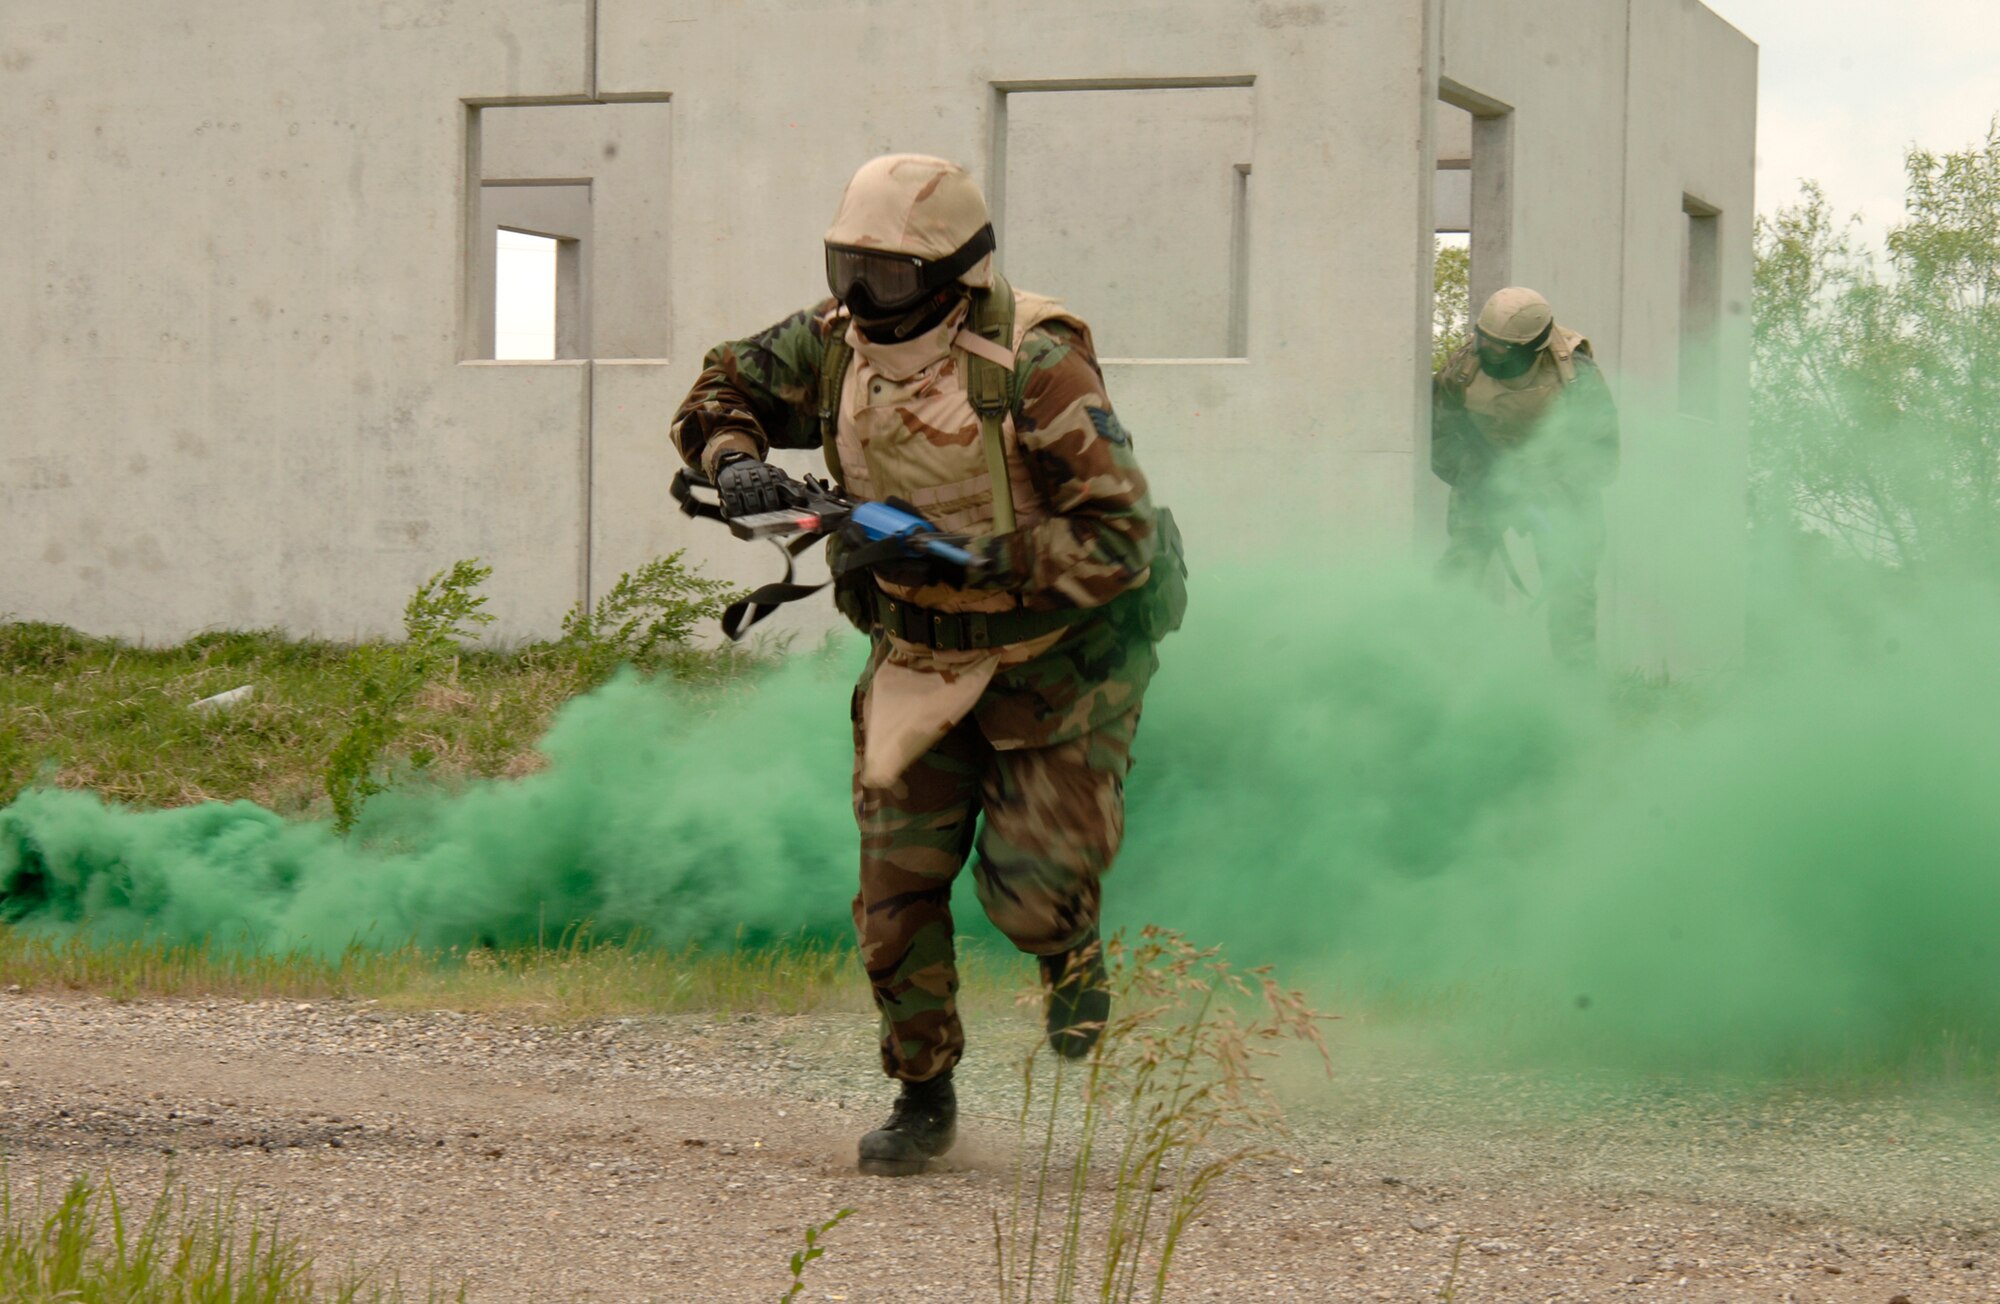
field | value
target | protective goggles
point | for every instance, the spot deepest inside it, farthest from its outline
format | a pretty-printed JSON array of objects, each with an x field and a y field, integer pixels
[
  {"x": 891, "y": 282},
  {"x": 1505, "y": 359}
]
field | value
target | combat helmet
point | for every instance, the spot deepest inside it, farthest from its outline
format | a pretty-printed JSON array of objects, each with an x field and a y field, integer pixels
[
  {"x": 1513, "y": 328},
  {"x": 908, "y": 230}
]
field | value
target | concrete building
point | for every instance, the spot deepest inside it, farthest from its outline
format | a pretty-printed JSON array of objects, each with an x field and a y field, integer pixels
[{"x": 249, "y": 284}]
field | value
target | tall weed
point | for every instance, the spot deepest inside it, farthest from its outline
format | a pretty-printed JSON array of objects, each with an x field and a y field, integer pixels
[
  {"x": 647, "y": 614},
  {"x": 90, "y": 1249},
  {"x": 440, "y": 616},
  {"x": 1169, "y": 1102}
]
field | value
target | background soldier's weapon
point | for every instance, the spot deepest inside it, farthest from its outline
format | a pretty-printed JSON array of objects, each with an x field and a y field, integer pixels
[{"x": 1555, "y": 556}]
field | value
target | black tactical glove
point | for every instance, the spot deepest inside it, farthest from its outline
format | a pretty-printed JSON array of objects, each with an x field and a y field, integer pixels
[
  {"x": 920, "y": 569},
  {"x": 745, "y": 485}
]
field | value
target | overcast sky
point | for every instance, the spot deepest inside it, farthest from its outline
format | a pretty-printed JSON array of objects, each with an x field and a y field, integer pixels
[{"x": 1849, "y": 85}]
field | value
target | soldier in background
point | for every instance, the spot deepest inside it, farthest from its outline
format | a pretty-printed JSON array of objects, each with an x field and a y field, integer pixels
[
  {"x": 1011, "y": 688},
  {"x": 1524, "y": 431}
]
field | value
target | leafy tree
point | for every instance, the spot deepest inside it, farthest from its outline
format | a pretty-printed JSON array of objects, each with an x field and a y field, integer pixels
[
  {"x": 1451, "y": 295},
  {"x": 1875, "y": 405}
]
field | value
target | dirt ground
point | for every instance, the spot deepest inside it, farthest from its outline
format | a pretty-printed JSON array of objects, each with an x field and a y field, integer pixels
[{"x": 679, "y": 1159}]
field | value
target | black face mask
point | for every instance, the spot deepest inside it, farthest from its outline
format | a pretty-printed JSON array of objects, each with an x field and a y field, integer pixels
[
  {"x": 1505, "y": 360},
  {"x": 882, "y": 327}
]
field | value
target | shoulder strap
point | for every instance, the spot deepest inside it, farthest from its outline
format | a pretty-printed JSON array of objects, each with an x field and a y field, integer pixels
[
  {"x": 832, "y": 378},
  {"x": 989, "y": 383},
  {"x": 1566, "y": 346}
]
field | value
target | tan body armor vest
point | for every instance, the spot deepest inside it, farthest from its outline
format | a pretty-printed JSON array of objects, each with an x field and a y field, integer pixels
[
  {"x": 923, "y": 422},
  {"x": 1507, "y": 414},
  {"x": 907, "y": 428}
]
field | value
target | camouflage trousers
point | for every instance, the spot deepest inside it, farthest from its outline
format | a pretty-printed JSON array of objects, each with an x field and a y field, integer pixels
[
  {"x": 1567, "y": 531},
  {"x": 1053, "y": 819}
]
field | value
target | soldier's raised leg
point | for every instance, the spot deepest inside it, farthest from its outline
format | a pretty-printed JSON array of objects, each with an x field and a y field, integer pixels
[{"x": 1055, "y": 817}]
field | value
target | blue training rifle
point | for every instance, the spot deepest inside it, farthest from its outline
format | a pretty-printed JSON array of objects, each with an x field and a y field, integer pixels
[{"x": 818, "y": 509}]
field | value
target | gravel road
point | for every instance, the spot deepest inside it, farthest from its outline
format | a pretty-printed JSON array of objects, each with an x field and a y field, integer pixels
[{"x": 679, "y": 1158}]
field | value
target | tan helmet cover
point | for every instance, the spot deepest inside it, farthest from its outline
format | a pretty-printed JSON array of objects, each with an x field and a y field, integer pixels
[
  {"x": 913, "y": 204},
  {"x": 1516, "y": 316}
]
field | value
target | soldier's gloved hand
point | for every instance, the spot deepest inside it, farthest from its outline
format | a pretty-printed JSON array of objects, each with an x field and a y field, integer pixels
[
  {"x": 914, "y": 567},
  {"x": 745, "y": 485},
  {"x": 921, "y": 568},
  {"x": 1006, "y": 561}
]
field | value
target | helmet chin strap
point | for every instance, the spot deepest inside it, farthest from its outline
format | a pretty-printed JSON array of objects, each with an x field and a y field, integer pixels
[{"x": 916, "y": 321}]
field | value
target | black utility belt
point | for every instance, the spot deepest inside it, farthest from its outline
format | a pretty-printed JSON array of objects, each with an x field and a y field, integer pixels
[{"x": 960, "y": 631}]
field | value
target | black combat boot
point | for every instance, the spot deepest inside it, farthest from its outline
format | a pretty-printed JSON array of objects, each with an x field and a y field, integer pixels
[
  {"x": 921, "y": 1127},
  {"x": 1079, "y": 999}
]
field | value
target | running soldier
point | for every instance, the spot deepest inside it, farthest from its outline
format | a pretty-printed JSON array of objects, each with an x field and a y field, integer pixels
[{"x": 1010, "y": 688}]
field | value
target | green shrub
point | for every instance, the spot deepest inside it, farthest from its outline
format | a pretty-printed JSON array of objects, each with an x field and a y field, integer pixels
[
  {"x": 648, "y": 614},
  {"x": 440, "y": 615}
]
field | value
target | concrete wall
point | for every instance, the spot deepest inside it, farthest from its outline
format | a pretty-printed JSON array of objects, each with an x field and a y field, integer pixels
[
  {"x": 1678, "y": 560},
  {"x": 770, "y": 118},
  {"x": 248, "y": 390},
  {"x": 1111, "y": 237},
  {"x": 233, "y": 394}
]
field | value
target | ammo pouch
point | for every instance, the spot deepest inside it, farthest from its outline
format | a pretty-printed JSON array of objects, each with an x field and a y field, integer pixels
[{"x": 1163, "y": 600}]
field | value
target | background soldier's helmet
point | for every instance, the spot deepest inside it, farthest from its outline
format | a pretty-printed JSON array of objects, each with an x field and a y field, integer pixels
[
  {"x": 1513, "y": 328},
  {"x": 907, "y": 225}
]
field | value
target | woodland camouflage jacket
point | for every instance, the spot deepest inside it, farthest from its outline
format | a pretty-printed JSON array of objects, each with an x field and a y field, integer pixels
[{"x": 1091, "y": 540}]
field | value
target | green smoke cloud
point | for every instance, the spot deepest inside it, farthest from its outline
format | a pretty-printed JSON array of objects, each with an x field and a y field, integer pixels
[
  {"x": 685, "y": 818},
  {"x": 1391, "y": 790},
  {"x": 1387, "y": 789},
  {"x": 1403, "y": 796}
]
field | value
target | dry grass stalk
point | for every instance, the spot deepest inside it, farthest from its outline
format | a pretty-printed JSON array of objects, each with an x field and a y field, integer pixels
[{"x": 1174, "y": 1089}]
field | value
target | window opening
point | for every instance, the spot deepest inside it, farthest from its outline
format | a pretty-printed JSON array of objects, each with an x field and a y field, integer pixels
[
  {"x": 1473, "y": 214},
  {"x": 1451, "y": 228},
  {"x": 1701, "y": 306},
  {"x": 537, "y": 247},
  {"x": 524, "y": 296},
  {"x": 1239, "y": 266},
  {"x": 1133, "y": 204},
  {"x": 1475, "y": 135}
]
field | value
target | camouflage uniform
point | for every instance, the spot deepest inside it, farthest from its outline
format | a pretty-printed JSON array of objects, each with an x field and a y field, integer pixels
[
  {"x": 1533, "y": 458},
  {"x": 1036, "y": 735}
]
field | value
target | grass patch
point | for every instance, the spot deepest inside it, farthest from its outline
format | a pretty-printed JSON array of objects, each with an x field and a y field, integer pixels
[
  {"x": 90, "y": 1249},
  {"x": 575, "y": 981},
  {"x": 104, "y": 716},
  {"x": 101, "y": 715}
]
